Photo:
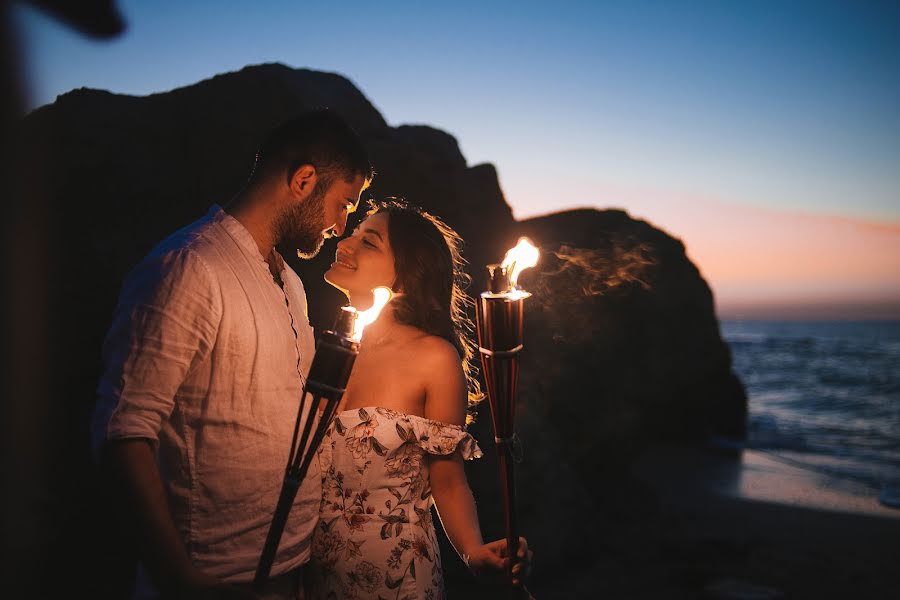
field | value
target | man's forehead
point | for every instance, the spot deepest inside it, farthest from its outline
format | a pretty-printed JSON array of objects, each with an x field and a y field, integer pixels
[
  {"x": 349, "y": 190},
  {"x": 356, "y": 185}
]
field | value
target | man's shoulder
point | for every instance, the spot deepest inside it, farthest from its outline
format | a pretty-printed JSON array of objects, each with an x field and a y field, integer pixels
[
  {"x": 204, "y": 242},
  {"x": 188, "y": 252},
  {"x": 199, "y": 238}
]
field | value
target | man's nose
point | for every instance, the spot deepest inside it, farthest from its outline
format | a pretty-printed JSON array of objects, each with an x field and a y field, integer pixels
[{"x": 341, "y": 224}]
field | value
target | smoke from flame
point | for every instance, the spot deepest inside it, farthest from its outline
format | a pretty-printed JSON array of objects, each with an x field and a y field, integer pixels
[
  {"x": 601, "y": 272},
  {"x": 621, "y": 261},
  {"x": 366, "y": 317},
  {"x": 572, "y": 280},
  {"x": 523, "y": 256}
]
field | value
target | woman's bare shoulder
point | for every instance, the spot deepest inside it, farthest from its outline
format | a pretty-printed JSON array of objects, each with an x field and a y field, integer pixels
[
  {"x": 445, "y": 383},
  {"x": 436, "y": 352}
]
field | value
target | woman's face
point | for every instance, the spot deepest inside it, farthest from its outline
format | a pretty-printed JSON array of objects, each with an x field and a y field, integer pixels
[{"x": 364, "y": 260}]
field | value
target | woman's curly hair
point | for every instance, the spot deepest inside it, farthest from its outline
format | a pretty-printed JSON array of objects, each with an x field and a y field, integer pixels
[{"x": 430, "y": 274}]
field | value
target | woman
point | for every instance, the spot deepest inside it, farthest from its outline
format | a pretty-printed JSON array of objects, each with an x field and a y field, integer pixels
[{"x": 398, "y": 439}]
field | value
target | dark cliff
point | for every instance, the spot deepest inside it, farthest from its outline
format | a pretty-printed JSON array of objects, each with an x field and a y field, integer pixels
[{"x": 622, "y": 343}]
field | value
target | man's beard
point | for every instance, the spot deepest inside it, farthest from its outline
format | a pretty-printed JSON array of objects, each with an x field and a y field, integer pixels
[{"x": 300, "y": 225}]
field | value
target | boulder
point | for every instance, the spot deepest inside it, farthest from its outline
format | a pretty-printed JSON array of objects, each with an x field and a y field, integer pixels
[{"x": 622, "y": 342}]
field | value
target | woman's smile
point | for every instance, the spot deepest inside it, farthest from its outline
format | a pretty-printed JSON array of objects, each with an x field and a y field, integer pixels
[
  {"x": 364, "y": 260},
  {"x": 342, "y": 260}
]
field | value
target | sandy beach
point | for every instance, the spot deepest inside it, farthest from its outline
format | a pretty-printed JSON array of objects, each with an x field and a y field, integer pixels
[{"x": 755, "y": 528}]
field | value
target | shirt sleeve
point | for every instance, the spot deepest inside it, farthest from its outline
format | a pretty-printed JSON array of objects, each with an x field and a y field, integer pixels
[{"x": 165, "y": 322}]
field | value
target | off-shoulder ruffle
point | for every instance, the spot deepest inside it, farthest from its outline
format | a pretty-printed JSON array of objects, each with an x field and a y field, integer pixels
[{"x": 436, "y": 437}]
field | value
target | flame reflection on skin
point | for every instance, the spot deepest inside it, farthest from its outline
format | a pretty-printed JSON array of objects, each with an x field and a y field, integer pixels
[
  {"x": 523, "y": 256},
  {"x": 382, "y": 296}
]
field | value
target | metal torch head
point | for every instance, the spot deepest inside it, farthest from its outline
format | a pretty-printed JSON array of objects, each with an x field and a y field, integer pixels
[
  {"x": 500, "y": 320},
  {"x": 345, "y": 321},
  {"x": 336, "y": 352},
  {"x": 500, "y": 328},
  {"x": 497, "y": 280}
]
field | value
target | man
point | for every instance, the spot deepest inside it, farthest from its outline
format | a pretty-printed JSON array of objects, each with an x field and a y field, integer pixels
[{"x": 204, "y": 367}]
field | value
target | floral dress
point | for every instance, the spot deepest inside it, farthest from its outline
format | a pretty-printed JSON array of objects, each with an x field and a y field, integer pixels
[{"x": 375, "y": 538}]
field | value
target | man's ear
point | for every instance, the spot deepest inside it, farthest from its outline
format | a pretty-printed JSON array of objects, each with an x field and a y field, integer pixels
[{"x": 303, "y": 181}]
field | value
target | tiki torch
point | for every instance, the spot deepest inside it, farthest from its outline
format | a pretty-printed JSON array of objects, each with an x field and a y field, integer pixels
[
  {"x": 500, "y": 324},
  {"x": 336, "y": 352}
]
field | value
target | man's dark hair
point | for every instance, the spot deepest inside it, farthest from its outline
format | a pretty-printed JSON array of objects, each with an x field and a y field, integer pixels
[{"x": 319, "y": 138}]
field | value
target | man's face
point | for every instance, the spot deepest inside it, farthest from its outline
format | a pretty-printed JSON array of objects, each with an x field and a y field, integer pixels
[{"x": 306, "y": 225}]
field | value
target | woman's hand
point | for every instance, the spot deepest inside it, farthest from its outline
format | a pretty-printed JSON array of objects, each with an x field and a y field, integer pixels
[{"x": 491, "y": 561}]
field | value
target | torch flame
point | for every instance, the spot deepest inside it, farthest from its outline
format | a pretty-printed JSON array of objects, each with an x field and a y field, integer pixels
[
  {"x": 523, "y": 256},
  {"x": 367, "y": 317}
]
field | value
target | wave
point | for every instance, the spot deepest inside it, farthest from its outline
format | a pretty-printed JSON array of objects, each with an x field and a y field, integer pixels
[{"x": 823, "y": 396}]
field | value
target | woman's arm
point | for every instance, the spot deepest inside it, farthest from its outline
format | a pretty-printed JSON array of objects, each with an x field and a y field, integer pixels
[
  {"x": 446, "y": 401},
  {"x": 455, "y": 504}
]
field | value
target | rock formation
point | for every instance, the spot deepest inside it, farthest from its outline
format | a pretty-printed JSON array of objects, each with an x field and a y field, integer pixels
[{"x": 623, "y": 346}]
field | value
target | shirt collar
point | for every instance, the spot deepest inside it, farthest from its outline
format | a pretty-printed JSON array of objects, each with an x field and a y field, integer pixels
[{"x": 236, "y": 231}]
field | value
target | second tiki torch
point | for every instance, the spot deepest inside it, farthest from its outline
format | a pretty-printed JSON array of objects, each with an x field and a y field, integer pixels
[{"x": 500, "y": 339}]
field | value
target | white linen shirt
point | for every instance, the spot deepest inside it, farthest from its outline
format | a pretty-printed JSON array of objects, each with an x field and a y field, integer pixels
[{"x": 207, "y": 356}]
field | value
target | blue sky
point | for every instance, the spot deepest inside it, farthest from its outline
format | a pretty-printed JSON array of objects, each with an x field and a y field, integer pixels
[{"x": 779, "y": 106}]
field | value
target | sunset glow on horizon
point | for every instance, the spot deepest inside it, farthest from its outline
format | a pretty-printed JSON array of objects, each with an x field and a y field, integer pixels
[
  {"x": 764, "y": 262},
  {"x": 777, "y": 260}
]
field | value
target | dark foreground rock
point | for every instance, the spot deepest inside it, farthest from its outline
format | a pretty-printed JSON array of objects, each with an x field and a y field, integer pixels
[{"x": 623, "y": 345}]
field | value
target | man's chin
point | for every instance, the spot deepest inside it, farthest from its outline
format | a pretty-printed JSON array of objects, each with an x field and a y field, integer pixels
[{"x": 307, "y": 252}]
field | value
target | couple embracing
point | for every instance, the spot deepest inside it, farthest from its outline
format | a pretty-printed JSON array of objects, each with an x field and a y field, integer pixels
[{"x": 205, "y": 362}]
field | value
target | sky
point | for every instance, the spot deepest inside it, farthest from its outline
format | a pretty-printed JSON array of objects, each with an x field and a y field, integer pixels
[{"x": 765, "y": 135}]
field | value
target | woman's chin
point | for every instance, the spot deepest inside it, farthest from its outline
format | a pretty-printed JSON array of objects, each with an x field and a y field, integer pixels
[{"x": 335, "y": 279}]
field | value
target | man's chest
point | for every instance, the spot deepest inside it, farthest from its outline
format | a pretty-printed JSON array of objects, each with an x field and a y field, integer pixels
[{"x": 264, "y": 330}]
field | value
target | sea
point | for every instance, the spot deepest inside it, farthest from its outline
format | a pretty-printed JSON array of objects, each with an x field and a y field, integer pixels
[{"x": 824, "y": 396}]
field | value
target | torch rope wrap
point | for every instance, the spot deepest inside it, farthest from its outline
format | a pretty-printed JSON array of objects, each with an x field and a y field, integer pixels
[
  {"x": 323, "y": 389},
  {"x": 501, "y": 353},
  {"x": 513, "y": 445}
]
